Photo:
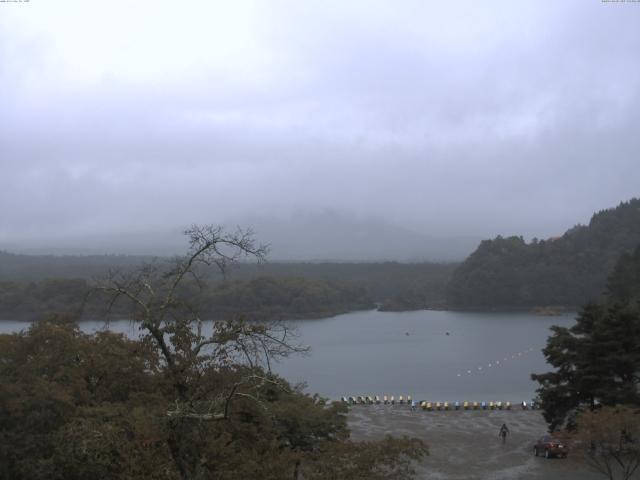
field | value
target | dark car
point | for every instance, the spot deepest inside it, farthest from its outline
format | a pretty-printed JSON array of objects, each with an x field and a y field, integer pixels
[{"x": 549, "y": 446}]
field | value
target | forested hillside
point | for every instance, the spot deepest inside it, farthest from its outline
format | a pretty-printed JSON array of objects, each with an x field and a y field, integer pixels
[
  {"x": 623, "y": 285},
  {"x": 566, "y": 271}
]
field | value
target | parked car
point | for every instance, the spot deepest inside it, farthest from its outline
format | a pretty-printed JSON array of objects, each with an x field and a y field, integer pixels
[{"x": 549, "y": 446}]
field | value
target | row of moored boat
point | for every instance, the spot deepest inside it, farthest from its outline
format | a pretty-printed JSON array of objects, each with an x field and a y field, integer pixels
[{"x": 429, "y": 406}]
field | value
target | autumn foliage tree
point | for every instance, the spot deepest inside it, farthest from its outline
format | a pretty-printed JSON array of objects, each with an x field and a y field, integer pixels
[
  {"x": 609, "y": 440},
  {"x": 187, "y": 400}
]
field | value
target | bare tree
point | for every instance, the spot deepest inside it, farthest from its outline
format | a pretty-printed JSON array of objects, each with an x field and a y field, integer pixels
[
  {"x": 609, "y": 440},
  {"x": 161, "y": 297}
]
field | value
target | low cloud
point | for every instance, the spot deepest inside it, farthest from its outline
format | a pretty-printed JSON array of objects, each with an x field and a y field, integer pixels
[{"x": 453, "y": 120}]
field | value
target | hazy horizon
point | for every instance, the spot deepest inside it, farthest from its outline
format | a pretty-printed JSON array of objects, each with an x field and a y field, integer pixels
[
  {"x": 304, "y": 236},
  {"x": 448, "y": 121}
]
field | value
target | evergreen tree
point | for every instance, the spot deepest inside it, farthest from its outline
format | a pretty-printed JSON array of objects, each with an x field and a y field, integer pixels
[{"x": 597, "y": 360}]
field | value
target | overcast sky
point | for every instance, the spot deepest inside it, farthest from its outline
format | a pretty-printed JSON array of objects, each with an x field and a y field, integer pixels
[{"x": 449, "y": 118}]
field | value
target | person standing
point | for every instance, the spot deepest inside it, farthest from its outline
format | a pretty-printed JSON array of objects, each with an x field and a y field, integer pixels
[{"x": 504, "y": 431}]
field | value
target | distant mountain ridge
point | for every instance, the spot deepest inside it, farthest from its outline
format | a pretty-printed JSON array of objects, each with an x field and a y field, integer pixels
[
  {"x": 318, "y": 236},
  {"x": 508, "y": 272},
  {"x": 336, "y": 236}
]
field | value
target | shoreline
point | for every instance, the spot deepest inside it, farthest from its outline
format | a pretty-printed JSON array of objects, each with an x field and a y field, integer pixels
[
  {"x": 254, "y": 316},
  {"x": 542, "y": 311}
]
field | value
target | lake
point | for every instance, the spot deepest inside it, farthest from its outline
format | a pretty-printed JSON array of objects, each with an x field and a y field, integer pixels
[{"x": 484, "y": 357}]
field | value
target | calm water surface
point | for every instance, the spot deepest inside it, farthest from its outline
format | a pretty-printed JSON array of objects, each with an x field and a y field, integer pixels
[{"x": 486, "y": 356}]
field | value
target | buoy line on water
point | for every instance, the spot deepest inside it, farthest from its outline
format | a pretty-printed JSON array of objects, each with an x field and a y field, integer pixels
[{"x": 494, "y": 364}]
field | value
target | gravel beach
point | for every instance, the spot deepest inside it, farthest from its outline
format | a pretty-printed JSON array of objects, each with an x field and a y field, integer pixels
[{"x": 464, "y": 445}]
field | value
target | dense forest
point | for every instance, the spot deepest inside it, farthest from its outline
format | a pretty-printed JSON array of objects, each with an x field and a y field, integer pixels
[
  {"x": 262, "y": 298},
  {"x": 567, "y": 271},
  {"x": 15, "y": 267},
  {"x": 32, "y": 285},
  {"x": 623, "y": 285},
  {"x": 384, "y": 281}
]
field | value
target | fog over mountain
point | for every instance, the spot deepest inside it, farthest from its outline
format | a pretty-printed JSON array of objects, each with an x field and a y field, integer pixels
[
  {"x": 304, "y": 236},
  {"x": 329, "y": 235},
  {"x": 417, "y": 121}
]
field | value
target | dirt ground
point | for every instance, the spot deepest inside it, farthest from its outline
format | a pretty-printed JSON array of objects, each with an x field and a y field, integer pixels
[{"x": 464, "y": 445}]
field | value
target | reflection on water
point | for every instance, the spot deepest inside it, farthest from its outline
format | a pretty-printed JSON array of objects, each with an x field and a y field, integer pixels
[{"x": 430, "y": 355}]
